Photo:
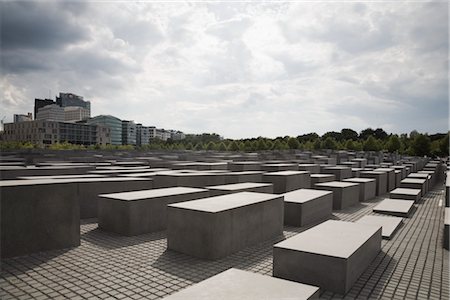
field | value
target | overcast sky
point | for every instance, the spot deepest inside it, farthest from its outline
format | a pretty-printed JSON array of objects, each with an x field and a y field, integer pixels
[{"x": 236, "y": 69}]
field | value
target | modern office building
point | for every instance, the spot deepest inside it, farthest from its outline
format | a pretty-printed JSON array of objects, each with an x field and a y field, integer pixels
[
  {"x": 23, "y": 118},
  {"x": 69, "y": 99},
  {"x": 113, "y": 123},
  {"x": 45, "y": 132},
  {"x": 51, "y": 112},
  {"x": 75, "y": 113},
  {"x": 176, "y": 135},
  {"x": 128, "y": 132},
  {"x": 39, "y": 103},
  {"x": 142, "y": 135}
]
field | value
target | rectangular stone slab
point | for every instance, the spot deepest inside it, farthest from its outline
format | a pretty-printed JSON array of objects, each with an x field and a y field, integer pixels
[
  {"x": 306, "y": 206},
  {"x": 331, "y": 255},
  {"x": 237, "y": 284},
  {"x": 345, "y": 194},
  {"x": 414, "y": 183},
  {"x": 240, "y": 187},
  {"x": 38, "y": 215},
  {"x": 367, "y": 187},
  {"x": 338, "y": 171},
  {"x": 243, "y": 176},
  {"x": 286, "y": 181},
  {"x": 215, "y": 227},
  {"x": 406, "y": 193},
  {"x": 389, "y": 224},
  {"x": 381, "y": 178},
  {"x": 312, "y": 168},
  {"x": 139, "y": 212},
  {"x": 279, "y": 167},
  {"x": 319, "y": 178},
  {"x": 390, "y": 177},
  {"x": 198, "y": 179},
  {"x": 244, "y": 166},
  {"x": 394, "y": 207}
]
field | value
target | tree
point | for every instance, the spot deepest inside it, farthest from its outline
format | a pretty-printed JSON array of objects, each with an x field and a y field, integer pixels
[
  {"x": 350, "y": 145},
  {"x": 333, "y": 134},
  {"x": 349, "y": 134},
  {"x": 222, "y": 147},
  {"x": 234, "y": 146},
  {"x": 364, "y": 135},
  {"x": 293, "y": 143},
  {"x": 421, "y": 145},
  {"x": 371, "y": 144},
  {"x": 393, "y": 144},
  {"x": 444, "y": 145},
  {"x": 329, "y": 143},
  {"x": 210, "y": 146},
  {"x": 380, "y": 134},
  {"x": 317, "y": 144},
  {"x": 261, "y": 145}
]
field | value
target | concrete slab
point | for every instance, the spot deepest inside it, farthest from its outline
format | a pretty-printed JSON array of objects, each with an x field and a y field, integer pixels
[
  {"x": 367, "y": 187},
  {"x": 198, "y": 179},
  {"x": 406, "y": 193},
  {"x": 215, "y": 227},
  {"x": 394, "y": 207},
  {"x": 345, "y": 194},
  {"x": 312, "y": 168},
  {"x": 237, "y": 284},
  {"x": 139, "y": 212},
  {"x": 240, "y": 187},
  {"x": 279, "y": 167},
  {"x": 381, "y": 177},
  {"x": 38, "y": 215},
  {"x": 390, "y": 177},
  {"x": 319, "y": 178},
  {"x": 415, "y": 183},
  {"x": 389, "y": 224},
  {"x": 306, "y": 206},
  {"x": 286, "y": 181},
  {"x": 244, "y": 166},
  {"x": 243, "y": 176},
  {"x": 339, "y": 172},
  {"x": 331, "y": 255}
]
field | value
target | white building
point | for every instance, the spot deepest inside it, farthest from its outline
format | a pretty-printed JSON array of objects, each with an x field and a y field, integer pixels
[
  {"x": 76, "y": 113},
  {"x": 51, "y": 112}
]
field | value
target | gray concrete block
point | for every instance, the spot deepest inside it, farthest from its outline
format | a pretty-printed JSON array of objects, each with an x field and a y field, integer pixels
[
  {"x": 319, "y": 178},
  {"x": 406, "y": 193},
  {"x": 244, "y": 166},
  {"x": 240, "y": 187},
  {"x": 139, "y": 212},
  {"x": 215, "y": 227},
  {"x": 198, "y": 179},
  {"x": 38, "y": 215},
  {"x": 381, "y": 178},
  {"x": 367, "y": 187},
  {"x": 286, "y": 181},
  {"x": 312, "y": 168},
  {"x": 345, "y": 194},
  {"x": 414, "y": 183},
  {"x": 390, "y": 177},
  {"x": 279, "y": 167},
  {"x": 339, "y": 172},
  {"x": 243, "y": 176},
  {"x": 306, "y": 206},
  {"x": 331, "y": 255},
  {"x": 389, "y": 224},
  {"x": 237, "y": 284},
  {"x": 395, "y": 207}
]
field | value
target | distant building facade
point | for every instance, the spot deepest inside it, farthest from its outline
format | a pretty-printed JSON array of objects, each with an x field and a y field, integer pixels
[
  {"x": 45, "y": 132},
  {"x": 23, "y": 118},
  {"x": 113, "y": 123},
  {"x": 76, "y": 113},
  {"x": 142, "y": 135},
  {"x": 176, "y": 135},
  {"x": 39, "y": 103},
  {"x": 128, "y": 133},
  {"x": 51, "y": 112},
  {"x": 69, "y": 99}
]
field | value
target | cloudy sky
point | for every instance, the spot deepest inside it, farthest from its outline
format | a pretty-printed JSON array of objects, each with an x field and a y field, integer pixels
[{"x": 238, "y": 69}]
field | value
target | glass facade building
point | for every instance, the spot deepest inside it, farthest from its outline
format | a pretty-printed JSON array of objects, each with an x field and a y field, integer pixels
[{"x": 113, "y": 123}]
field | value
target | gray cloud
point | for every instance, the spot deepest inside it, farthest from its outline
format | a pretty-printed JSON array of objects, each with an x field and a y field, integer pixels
[{"x": 39, "y": 25}]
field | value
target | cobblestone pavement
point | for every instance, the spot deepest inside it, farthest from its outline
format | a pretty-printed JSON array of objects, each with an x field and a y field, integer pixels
[{"x": 106, "y": 266}]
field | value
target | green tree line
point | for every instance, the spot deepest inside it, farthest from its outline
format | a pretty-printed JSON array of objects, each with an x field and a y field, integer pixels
[{"x": 415, "y": 143}]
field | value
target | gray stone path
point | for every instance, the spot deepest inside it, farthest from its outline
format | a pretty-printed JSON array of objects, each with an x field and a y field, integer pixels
[{"x": 106, "y": 266}]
